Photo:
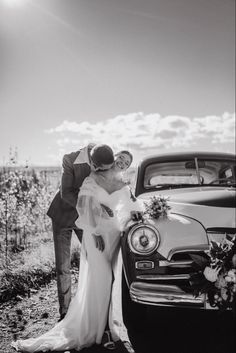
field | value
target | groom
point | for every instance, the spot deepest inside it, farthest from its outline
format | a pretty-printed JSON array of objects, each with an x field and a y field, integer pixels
[{"x": 76, "y": 167}]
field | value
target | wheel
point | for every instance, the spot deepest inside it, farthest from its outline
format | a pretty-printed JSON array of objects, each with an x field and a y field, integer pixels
[{"x": 134, "y": 314}]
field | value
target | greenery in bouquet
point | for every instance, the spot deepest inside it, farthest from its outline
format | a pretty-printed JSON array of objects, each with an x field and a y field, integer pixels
[
  {"x": 216, "y": 276},
  {"x": 156, "y": 207}
]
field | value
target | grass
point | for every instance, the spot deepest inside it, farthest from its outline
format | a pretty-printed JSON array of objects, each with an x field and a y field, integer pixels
[{"x": 31, "y": 268}]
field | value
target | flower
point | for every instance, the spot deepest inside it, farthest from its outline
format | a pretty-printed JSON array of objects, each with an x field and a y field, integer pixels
[
  {"x": 157, "y": 207},
  {"x": 221, "y": 282},
  {"x": 211, "y": 274}
]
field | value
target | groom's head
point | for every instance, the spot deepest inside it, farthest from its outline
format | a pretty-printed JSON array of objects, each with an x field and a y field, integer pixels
[{"x": 102, "y": 157}]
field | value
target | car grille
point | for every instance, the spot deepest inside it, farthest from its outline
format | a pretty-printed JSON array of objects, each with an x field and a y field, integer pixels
[
  {"x": 164, "y": 277},
  {"x": 157, "y": 294},
  {"x": 168, "y": 282},
  {"x": 178, "y": 271}
]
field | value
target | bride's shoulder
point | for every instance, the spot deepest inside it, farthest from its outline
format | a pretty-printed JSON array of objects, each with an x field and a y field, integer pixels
[
  {"x": 89, "y": 182},
  {"x": 88, "y": 179},
  {"x": 120, "y": 186}
]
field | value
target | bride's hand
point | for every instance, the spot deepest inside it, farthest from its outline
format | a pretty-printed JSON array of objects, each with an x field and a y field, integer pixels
[
  {"x": 136, "y": 215},
  {"x": 99, "y": 242}
]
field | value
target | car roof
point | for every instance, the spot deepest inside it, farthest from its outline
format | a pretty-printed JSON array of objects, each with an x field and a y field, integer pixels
[{"x": 186, "y": 155}]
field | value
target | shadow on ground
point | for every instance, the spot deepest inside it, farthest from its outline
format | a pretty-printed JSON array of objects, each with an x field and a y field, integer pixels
[
  {"x": 121, "y": 347},
  {"x": 185, "y": 331}
]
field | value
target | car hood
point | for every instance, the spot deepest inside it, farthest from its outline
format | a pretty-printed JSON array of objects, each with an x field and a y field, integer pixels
[{"x": 195, "y": 202}]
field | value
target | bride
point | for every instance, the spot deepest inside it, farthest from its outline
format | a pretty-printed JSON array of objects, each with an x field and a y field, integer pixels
[{"x": 89, "y": 318}]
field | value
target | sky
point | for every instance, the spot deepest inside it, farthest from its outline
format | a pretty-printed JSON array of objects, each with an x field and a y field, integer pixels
[{"x": 151, "y": 76}]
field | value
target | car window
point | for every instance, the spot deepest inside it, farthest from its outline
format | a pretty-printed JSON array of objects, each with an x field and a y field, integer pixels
[
  {"x": 190, "y": 172},
  {"x": 174, "y": 179},
  {"x": 170, "y": 173},
  {"x": 218, "y": 172}
]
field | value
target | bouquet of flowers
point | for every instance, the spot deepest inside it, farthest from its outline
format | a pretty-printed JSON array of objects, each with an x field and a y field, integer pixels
[
  {"x": 217, "y": 274},
  {"x": 157, "y": 207}
]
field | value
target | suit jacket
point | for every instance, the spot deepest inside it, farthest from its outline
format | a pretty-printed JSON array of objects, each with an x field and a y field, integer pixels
[{"x": 63, "y": 207}]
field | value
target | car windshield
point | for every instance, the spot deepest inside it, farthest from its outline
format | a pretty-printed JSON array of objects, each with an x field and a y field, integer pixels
[{"x": 195, "y": 172}]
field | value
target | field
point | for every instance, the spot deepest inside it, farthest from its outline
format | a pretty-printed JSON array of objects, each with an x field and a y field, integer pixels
[{"x": 25, "y": 195}]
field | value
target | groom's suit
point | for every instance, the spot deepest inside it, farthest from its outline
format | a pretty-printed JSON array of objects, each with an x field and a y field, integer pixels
[
  {"x": 63, "y": 213},
  {"x": 62, "y": 209}
]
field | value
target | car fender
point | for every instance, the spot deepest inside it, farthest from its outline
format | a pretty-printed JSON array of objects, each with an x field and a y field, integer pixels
[
  {"x": 180, "y": 233},
  {"x": 209, "y": 216}
]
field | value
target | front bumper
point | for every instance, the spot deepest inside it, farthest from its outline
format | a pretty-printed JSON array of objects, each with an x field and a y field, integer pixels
[{"x": 160, "y": 294}]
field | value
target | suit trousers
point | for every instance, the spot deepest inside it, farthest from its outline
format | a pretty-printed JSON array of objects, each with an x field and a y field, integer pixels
[{"x": 62, "y": 247}]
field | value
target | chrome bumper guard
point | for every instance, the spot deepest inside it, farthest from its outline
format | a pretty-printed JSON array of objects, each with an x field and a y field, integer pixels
[{"x": 159, "y": 294}]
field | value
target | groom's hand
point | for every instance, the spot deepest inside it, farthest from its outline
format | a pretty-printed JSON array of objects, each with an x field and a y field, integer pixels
[
  {"x": 99, "y": 242},
  {"x": 136, "y": 216}
]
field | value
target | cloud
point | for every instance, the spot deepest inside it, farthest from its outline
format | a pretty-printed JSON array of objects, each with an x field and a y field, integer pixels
[{"x": 149, "y": 133}]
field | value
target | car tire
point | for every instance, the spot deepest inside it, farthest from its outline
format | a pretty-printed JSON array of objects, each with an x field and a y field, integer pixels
[{"x": 134, "y": 314}]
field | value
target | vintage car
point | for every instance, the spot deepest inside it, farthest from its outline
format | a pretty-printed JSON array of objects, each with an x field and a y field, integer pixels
[{"x": 158, "y": 254}]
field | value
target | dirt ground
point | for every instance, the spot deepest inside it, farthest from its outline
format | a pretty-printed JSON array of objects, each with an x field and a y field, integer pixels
[{"x": 36, "y": 314}]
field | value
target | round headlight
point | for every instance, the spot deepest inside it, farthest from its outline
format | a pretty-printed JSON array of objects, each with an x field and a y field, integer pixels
[{"x": 143, "y": 239}]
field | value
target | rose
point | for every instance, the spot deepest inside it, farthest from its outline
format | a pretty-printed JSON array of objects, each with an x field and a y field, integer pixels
[
  {"x": 221, "y": 282},
  {"x": 210, "y": 274},
  {"x": 228, "y": 279},
  {"x": 232, "y": 275}
]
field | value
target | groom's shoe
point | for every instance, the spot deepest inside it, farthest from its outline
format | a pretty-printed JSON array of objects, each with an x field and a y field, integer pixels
[{"x": 61, "y": 317}]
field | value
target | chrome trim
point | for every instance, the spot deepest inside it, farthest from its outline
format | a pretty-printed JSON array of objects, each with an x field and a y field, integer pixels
[
  {"x": 183, "y": 263},
  {"x": 156, "y": 294},
  {"x": 218, "y": 232},
  {"x": 143, "y": 225},
  {"x": 199, "y": 248},
  {"x": 211, "y": 236},
  {"x": 163, "y": 277},
  {"x": 138, "y": 262}
]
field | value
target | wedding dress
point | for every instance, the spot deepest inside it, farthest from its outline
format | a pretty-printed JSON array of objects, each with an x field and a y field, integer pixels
[{"x": 91, "y": 307}]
